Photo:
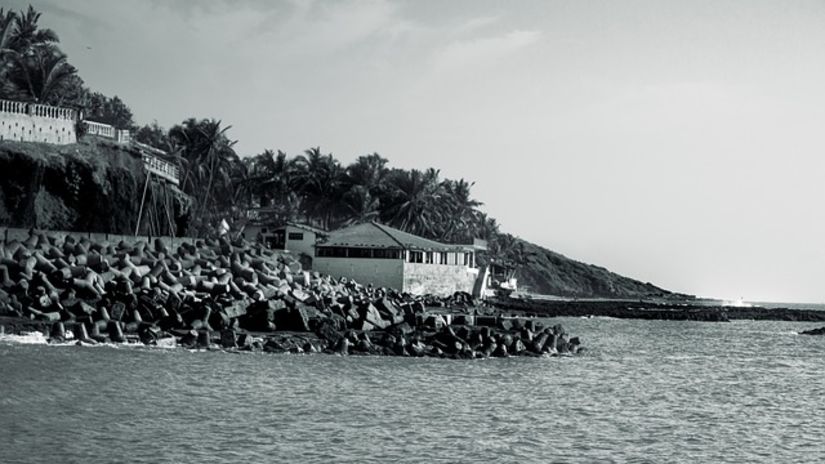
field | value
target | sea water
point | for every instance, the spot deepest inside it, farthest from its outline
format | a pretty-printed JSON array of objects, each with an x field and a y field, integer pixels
[{"x": 645, "y": 391}]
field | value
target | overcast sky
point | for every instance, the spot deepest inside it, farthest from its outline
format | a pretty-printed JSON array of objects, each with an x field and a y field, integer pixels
[{"x": 681, "y": 143}]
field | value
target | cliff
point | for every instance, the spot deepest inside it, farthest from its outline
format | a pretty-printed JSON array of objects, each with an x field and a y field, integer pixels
[
  {"x": 94, "y": 185},
  {"x": 549, "y": 273}
]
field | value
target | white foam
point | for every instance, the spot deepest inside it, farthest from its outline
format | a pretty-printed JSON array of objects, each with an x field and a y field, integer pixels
[{"x": 25, "y": 338}]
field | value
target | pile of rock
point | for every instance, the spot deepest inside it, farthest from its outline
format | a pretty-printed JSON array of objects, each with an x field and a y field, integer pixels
[{"x": 218, "y": 293}]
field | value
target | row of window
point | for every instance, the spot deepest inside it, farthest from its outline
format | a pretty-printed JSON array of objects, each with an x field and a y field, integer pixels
[
  {"x": 342, "y": 252},
  {"x": 424, "y": 257},
  {"x": 430, "y": 257}
]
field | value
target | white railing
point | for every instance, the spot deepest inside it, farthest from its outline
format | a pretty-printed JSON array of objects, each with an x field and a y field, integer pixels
[
  {"x": 54, "y": 112},
  {"x": 123, "y": 136},
  {"x": 97, "y": 128},
  {"x": 36, "y": 109},
  {"x": 161, "y": 168},
  {"x": 7, "y": 106}
]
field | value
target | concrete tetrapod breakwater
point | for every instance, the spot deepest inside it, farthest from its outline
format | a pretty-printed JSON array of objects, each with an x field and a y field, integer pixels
[{"x": 238, "y": 295}]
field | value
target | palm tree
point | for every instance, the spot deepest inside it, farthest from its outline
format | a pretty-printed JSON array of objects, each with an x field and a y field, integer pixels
[
  {"x": 32, "y": 67},
  {"x": 368, "y": 171},
  {"x": 461, "y": 220},
  {"x": 40, "y": 74},
  {"x": 486, "y": 227},
  {"x": 212, "y": 173},
  {"x": 27, "y": 32},
  {"x": 360, "y": 205},
  {"x": 318, "y": 178},
  {"x": 412, "y": 201},
  {"x": 8, "y": 26}
]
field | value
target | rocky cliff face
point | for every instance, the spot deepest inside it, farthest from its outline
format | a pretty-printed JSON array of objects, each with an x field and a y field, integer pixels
[
  {"x": 94, "y": 185},
  {"x": 547, "y": 272}
]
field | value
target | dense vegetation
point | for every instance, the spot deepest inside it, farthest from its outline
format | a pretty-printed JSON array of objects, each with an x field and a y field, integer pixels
[
  {"x": 33, "y": 68},
  {"x": 313, "y": 187},
  {"x": 92, "y": 186}
]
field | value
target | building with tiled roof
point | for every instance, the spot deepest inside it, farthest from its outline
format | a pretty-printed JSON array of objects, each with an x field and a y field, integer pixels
[{"x": 377, "y": 254}]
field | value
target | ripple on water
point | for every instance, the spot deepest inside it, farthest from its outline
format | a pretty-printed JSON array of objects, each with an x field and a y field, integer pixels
[{"x": 647, "y": 391}]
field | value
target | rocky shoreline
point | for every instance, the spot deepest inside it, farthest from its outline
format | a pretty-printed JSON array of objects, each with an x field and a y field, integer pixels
[
  {"x": 217, "y": 294},
  {"x": 676, "y": 311}
]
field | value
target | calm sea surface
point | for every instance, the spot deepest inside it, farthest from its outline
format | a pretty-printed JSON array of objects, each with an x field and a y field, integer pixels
[{"x": 647, "y": 391}]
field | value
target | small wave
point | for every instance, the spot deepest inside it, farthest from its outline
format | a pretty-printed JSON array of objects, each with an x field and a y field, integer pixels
[{"x": 25, "y": 338}]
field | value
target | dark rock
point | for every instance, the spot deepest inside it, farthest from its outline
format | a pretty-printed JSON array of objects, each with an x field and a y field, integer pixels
[
  {"x": 331, "y": 330},
  {"x": 505, "y": 324},
  {"x": 115, "y": 331},
  {"x": 819, "y": 331},
  {"x": 58, "y": 332},
  {"x": 434, "y": 321},
  {"x": 118, "y": 311},
  {"x": 204, "y": 339},
  {"x": 228, "y": 338},
  {"x": 343, "y": 346},
  {"x": 80, "y": 332},
  {"x": 235, "y": 309},
  {"x": 149, "y": 334},
  {"x": 464, "y": 319},
  {"x": 486, "y": 321}
]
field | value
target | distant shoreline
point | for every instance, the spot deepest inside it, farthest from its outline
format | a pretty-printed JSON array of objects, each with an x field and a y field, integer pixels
[{"x": 687, "y": 310}]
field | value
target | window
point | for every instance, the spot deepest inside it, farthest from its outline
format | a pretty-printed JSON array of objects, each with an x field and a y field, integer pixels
[
  {"x": 467, "y": 259},
  {"x": 416, "y": 257},
  {"x": 386, "y": 254},
  {"x": 331, "y": 252},
  {"x": 429, "y": 257},
  {"x": 296, "y": 235},
  {"x": 343, "y": 252},
  {"x": 359, "y": 253}
]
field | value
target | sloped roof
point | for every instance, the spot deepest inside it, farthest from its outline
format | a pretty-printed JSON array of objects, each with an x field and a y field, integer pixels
[
  {"x": 375, "y": 235},
  {"x": 306, "y": 227}
]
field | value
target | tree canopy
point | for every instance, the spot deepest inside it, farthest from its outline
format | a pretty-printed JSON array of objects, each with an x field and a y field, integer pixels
[{"x": 312, "y": 187}]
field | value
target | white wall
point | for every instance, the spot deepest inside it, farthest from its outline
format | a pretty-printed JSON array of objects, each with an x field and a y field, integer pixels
[
  {"x": 379, "y": 272},
  {"x": 307, "y": 245},
  {"x": 438, "y": 279},
  {"x": 24, "y": 128}
]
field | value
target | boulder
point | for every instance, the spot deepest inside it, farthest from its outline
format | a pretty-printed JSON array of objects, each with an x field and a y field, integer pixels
[
  {"x": 58, "y": 332},
  {"x": 204, "y": 339},
  {"x": 819, "y": 331},
  {"x": 228, "y": 338},
  {"x": 505, "y": 324},
  {"x": 331, "y": 330},
  {"x": 115, "y": 331},
  {"x": 486, "y": 321},
  {"x": 235, "y": 309}
]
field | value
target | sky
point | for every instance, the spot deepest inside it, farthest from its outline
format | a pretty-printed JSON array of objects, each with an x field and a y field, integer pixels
[{"x": 681, "y": 143}]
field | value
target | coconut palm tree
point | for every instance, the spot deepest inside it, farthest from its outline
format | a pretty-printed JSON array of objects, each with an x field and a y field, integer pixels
[
  {"x": 28, "y": 34},
  {"x": 461, "y": 218},
  {"x": 319, "y": 179},
  {"x": 8, "y": 26},
  {"x": 412, "y": 201},
  {"x": 360, "y": 206},
  {"x": 41, "y": 75},
  {"x": 368, "y": 171},
  {"x": 212, "y": 173},
  {"x": 32, "y": 67}
]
